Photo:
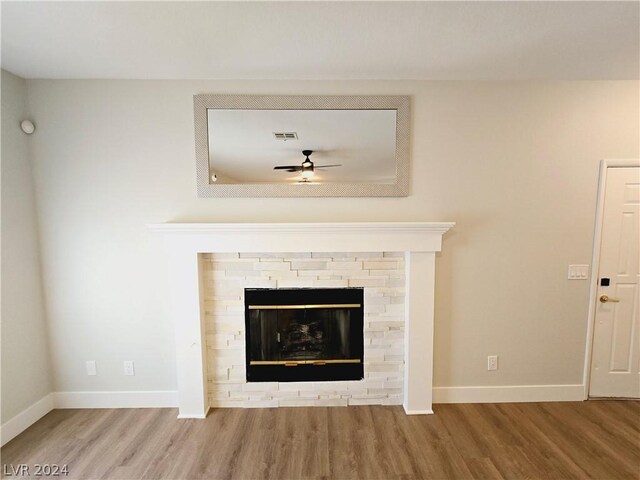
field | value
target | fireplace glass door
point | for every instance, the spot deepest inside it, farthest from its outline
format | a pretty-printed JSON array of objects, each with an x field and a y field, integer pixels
[{"x": 304, "y": 334}]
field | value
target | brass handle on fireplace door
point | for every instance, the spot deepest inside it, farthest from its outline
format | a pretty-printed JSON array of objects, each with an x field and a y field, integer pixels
[
  {"x": 606, "y": 298},
  {"x": 304, "y": 307},
  {"x": 293, "y": 363}
]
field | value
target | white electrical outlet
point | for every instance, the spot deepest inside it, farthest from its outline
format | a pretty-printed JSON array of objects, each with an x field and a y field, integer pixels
[
  {"x": 128, "y": 367},
  {"x": 90, "y": 365},
  {"x": 492, "y": 362}
]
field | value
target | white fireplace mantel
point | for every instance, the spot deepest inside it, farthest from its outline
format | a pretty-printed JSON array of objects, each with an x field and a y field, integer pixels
[{"x": 184, "y": 241}]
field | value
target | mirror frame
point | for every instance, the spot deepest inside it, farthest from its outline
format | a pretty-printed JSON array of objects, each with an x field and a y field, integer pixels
[{"x": 400, "y": 103}]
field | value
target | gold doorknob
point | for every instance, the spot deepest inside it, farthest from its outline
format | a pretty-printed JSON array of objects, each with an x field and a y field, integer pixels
[{"x": 606, "y": 298}]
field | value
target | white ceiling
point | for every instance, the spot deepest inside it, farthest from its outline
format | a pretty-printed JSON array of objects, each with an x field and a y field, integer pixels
[
  {"x": 322, "y": 40},
  {"x": 242, "y": 148}
]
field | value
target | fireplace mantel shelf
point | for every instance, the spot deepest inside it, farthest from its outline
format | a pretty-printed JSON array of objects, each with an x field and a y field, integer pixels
[
  {"x": 333, "y": 227},
  {"x": 305, "y": 237},
  {"x": 185, "y": 241}
]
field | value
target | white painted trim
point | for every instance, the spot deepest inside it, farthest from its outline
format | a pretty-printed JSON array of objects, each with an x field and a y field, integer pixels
[
  {"x": 621, "y": 162},
  {"x": 417, "y": 412},
  {"x": 23, "y": 420},
  {"x": 169, "y": 399},
  {"x": 185, "y": 241},
  {"x": 303, "y": 237},
  {"x": 595, "y": 262},
  {"x": 130, "y": 399},
  {"x": 195, "y": 415},
  {"x": 509, "y": 394},
  {"x": 313, "y": 228},
  {"x": 418, "y": 331}
]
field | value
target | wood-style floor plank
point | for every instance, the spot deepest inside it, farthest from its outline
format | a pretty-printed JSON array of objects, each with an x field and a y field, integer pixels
[{"x": 595, "y": 439}]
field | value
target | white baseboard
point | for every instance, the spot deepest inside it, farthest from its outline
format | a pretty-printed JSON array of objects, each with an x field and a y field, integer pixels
[
  {"x": 509, "y": 394},
  {"x": 417, "y": 412},
  {"x": 144, "y": 399},
  {"x": 169, "y": 399},
  {"x": 30, "y": 415},
  {"x": 134, "y": 399},
  {"x": 195, "y": 415}
]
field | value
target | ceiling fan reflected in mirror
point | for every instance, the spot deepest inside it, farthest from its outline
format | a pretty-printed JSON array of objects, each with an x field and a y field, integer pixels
[{"x": 306, "y": 168}]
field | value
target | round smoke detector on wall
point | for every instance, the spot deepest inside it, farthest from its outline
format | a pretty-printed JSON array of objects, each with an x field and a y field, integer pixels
[{"x": 27, "y": 127}]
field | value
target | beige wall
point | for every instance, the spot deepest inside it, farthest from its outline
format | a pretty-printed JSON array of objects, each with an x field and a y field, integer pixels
[
  {"x": 26, "y": 371},
  {"x": 514, "y": 164}
]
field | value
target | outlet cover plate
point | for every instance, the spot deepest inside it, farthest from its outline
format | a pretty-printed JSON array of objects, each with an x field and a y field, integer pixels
[
  {"x": 492, "y": 362},
  {"x": 90, "y": 365},
  {"x": 129, "y": 368}
]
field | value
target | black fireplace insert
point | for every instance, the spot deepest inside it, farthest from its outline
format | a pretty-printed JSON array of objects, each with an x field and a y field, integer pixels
[{"x": 304, "y": 334}]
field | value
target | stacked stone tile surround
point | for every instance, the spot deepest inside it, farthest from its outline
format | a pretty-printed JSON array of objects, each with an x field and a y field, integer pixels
[{"x": 381, "y": 274}]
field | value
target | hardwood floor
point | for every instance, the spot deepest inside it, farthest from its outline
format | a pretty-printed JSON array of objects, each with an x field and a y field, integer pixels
[{"x": 596, "y": 439}]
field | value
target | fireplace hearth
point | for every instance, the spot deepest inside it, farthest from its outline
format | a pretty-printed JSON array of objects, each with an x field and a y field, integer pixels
[{"x": 304, "y": 334}]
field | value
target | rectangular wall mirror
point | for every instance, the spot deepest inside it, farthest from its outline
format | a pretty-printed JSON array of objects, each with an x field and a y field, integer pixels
[{"x": 302, "y": 146}]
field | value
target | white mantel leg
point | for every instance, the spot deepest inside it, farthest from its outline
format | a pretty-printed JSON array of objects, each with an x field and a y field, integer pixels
[
  {"x": 418, "y": 376},
  {"x": 184, "y": 287}
]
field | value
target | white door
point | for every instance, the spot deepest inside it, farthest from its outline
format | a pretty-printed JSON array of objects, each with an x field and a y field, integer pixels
[{"x": 615, "y": 364}]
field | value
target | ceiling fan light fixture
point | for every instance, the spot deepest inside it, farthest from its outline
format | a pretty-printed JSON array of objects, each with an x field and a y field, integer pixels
[
  {"x": 306, "y": 168},
  {"x": 307, "y": 174}
]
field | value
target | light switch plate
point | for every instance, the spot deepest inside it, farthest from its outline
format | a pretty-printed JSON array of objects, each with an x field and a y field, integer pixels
[{"x": 578, "y": 272}]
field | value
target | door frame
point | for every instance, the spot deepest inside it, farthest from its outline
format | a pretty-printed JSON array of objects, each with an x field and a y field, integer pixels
[{"x": 595, "y": 261}]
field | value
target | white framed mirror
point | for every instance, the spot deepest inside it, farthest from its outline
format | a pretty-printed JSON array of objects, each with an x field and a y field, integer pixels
[{"x": 302, "y": 146}]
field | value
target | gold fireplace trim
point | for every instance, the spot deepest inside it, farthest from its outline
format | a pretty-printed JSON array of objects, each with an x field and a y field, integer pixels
[
  {"x": 295, "y": 363},
  {"x": 301, "y": 307}
]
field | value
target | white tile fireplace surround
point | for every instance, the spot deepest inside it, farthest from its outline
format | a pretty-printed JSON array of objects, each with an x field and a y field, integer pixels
[
  {"x": 381, "y": 274},
  {"x": 393, "y": 262}
]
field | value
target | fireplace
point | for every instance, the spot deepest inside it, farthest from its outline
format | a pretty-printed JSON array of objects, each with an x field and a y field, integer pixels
[
  {"x": 304, "y": 334},
  {"x": 210, "y": 332}
]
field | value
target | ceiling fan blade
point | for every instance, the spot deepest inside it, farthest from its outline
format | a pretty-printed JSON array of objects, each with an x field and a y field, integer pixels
[
  {"x": 328, "y": 166},
  {"x": 292, "y": 168}
]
